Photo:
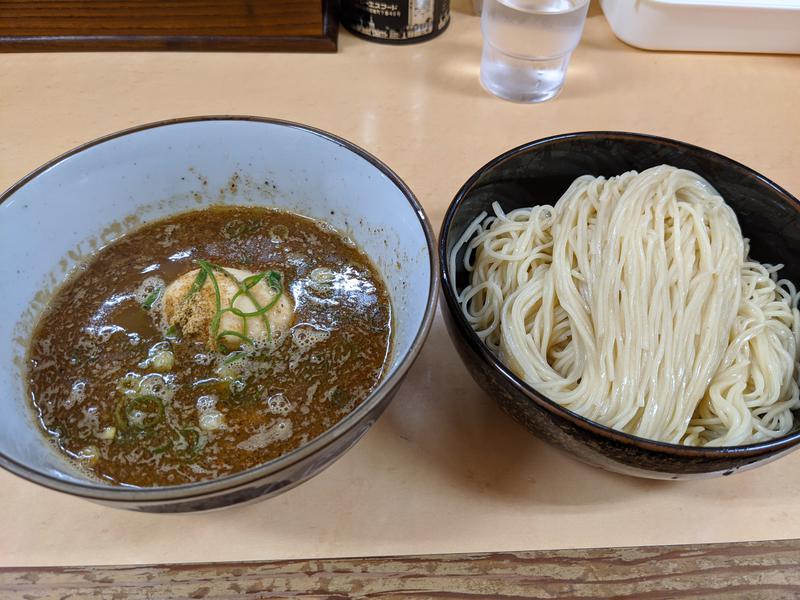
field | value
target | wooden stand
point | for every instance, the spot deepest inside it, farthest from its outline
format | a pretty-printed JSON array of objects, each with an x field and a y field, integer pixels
[{"x": 196, "y": 25}]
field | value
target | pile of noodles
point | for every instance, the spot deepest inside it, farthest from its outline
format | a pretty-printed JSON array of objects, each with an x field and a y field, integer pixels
[{"x": 634, "y": 303}]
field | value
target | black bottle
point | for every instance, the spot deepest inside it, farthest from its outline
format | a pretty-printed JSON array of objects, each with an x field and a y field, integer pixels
[{"x": 396, "y": 21}]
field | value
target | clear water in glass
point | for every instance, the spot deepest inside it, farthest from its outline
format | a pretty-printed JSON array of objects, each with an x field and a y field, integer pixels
[{"x": 527, "y": 45}]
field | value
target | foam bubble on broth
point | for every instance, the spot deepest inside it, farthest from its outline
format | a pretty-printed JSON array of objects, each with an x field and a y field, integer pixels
[
  {"x": 76, "y": 395},
  {"x": 281, "y": 430},
  {"x": 278, "y": 404}
]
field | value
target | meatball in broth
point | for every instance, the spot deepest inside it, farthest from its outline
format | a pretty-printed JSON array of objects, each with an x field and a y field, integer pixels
[{"x": 254, "y": 307}]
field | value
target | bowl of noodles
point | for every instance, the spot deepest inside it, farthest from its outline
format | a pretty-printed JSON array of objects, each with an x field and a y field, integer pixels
[{"x": 630, "y": 299}]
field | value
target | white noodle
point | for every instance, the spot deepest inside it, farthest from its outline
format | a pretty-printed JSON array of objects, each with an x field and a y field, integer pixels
[{"x": 633, "y": 302}]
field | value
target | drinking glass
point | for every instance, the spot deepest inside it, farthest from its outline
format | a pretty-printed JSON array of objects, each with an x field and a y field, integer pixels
[{"x": 527, "y": 45}]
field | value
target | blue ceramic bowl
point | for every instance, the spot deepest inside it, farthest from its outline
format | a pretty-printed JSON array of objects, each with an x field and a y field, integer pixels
[{"x": 89, "y": 196}]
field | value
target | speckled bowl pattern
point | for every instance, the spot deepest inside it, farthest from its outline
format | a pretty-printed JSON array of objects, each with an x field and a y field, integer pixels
[
  {"x": 538, "y": 173},
  {"x": 61, "y": 213}
]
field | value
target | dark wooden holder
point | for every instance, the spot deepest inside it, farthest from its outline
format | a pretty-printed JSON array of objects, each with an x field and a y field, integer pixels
[{"x": 195, "y": 25}]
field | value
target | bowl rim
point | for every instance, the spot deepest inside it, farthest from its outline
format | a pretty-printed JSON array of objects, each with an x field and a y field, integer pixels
[
  {"x": 221, "y": 485},
  {"x": 587, "y": 425}
]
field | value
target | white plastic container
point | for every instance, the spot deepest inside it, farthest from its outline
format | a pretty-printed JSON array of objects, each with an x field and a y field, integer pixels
[{"x": 707, "y": 25}]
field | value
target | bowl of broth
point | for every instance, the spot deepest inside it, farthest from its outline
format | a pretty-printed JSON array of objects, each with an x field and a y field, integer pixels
[{"x": 205, "y": 311}]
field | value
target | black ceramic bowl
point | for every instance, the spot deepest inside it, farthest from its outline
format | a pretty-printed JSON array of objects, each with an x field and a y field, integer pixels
[{"x": 538, "y": 173}]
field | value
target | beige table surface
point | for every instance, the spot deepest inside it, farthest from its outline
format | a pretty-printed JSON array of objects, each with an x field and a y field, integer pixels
[{"x": 443, "y": 470}]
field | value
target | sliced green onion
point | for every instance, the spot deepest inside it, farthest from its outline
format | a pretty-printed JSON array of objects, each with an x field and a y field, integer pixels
[
  {"x": 246, "y": 291},
  {"x": 274, "y": 300},
  {"x": 150, "y": 409},
  {"x": 193, "y": 439},
  {"x": 162, "y": 449},
  {"x": 207, "y": 272},
  {"x": 235, "y": 334},
  {"x": 151, "y": 299},
  {"x": 198, "y": 283},
  {"x": 233, "y": 357},
  {"x": 253, "y": 280},
  {"x": 119, "y": 414},
  {"x": 340, "y": 398},
  {"x": 274, "y": 280},
  {"x": 256, "y": 313}
]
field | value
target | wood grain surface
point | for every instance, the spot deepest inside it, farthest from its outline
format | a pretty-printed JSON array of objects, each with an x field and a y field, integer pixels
[
  {"x": 710, "y": 571},
  {"x": 43, "y": 25}
]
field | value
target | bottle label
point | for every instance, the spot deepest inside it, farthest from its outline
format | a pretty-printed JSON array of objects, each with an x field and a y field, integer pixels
[{"x": 396, "y": 19}]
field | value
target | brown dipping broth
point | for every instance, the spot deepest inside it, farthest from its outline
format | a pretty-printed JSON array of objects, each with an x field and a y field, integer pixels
[{"x": 88, "y": 369}]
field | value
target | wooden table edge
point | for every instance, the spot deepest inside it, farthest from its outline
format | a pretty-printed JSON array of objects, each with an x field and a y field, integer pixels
[{"x": 762, "y": 569}]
